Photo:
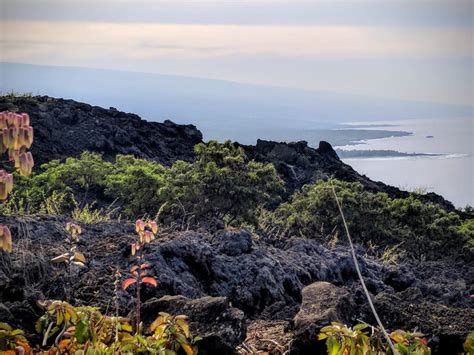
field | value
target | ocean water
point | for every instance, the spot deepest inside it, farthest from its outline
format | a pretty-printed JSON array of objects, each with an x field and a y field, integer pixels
[{"x": 451, "y": 174}]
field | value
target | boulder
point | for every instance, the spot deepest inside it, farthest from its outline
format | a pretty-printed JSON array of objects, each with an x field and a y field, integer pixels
[
  {"x": 233, "y": 242},
  {"x": 322, "y": 304},
  {"x": 221, "y": 326}
]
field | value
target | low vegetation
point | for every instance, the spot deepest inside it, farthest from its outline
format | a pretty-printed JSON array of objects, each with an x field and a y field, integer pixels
[
  {"x": 422, "y": 230},
  {"x": 223, "y": 186},
  {"x": 85, "y": 330},
  {"x": 365, "y": 340},
  {"x": 138, "y": 274}
]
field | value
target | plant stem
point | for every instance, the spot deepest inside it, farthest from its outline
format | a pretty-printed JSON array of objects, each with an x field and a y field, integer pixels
[{"x": 137, "y": 325}]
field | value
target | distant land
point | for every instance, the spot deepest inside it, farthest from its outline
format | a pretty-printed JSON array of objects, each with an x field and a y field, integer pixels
[
  {"x": 337, "y": 137},
  {"x": 222, "y": 109},
  {"x": 344, "y": 154}
]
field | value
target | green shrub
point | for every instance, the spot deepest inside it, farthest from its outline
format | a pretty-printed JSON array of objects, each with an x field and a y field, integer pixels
[
  {"x": 83, "y": 177},
  {"x": 469, "y": 344},
  {"x": 224, "y": 184},
  {"x": 85, "y": 330},
  {"x": 424, "y": 230},
  {"x": 312, "y": 212},
  {"x": 341, "y": 340},
  {"x": 136, "y": 184},
  {"x": 466, "y": 229}
]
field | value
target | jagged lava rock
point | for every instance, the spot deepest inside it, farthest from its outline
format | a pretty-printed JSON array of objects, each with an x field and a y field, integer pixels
[
  {"x": 233, "y": 242},
  {"x": 299, "y": 164},
  {"x": 322, "y": 304},
  {"x": 445, "y": 327},
  {"x": 66, "y": 128},
  {"x": 264, "y": 281}
]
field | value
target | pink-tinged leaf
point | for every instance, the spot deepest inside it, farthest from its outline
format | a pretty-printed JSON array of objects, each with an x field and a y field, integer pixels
[
  {"x": 153, "y": 226},
  {"x": 134, "y": 268},
  {"x": 150, "y": 280},
  {"x": 135, "y": 248},
  {"x": 139, "y": 226},
  {"x": 145, "y": 266},
  {"x": 127, "y": 283},
  {"x": 63, "y": 258}
]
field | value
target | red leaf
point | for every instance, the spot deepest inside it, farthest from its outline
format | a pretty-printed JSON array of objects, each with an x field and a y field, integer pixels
[
  {"x": 127, "y": 283},
  {"x": 150, "y": 280}
]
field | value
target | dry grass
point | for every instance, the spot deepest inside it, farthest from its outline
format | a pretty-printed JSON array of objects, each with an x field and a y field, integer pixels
[{"x": 266, "y": 337}]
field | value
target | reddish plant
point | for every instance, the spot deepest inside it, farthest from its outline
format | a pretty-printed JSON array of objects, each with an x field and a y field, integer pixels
[
  {"x": 147, "y": 232},
  {"x": 16, "y": 136}
]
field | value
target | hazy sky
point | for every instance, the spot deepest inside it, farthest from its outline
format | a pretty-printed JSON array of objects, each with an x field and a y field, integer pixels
[{"x": 413, "y": 49}]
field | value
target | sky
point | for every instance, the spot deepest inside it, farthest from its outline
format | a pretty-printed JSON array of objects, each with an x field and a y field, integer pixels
[{"x": 405, "y": 49}]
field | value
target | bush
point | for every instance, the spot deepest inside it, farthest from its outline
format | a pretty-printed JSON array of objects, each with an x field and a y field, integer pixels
[
  {"x": 424, "y": 230},
  {"x": 222, "y": 184},
  {"x": 76, "y": 330},
  {"x": 341, "y": 340},
  {"x": 136, "y": 184},
  {"x": 83, "y": 177},
  {"x": 13, "y": 341}
]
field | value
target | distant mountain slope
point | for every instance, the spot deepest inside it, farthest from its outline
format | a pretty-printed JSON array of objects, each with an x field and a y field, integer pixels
[
  {"x": 221, "y": 109},
  {"x": 65, "y": 128}
]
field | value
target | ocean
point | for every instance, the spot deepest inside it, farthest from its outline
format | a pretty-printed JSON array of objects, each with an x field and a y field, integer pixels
[{"x": 450, "y": 174}]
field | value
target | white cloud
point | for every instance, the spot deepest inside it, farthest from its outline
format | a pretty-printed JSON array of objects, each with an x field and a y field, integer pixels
[
  {"x": 74, "y": 41},
  {"x": 424, "y": 63}
]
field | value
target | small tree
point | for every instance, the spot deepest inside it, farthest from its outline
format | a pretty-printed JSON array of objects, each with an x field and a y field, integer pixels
[
  {"x": 222, "y": 184},
  {"x": 72, "y": 256},
  {"x": 147, "y": 232},
  {"x": 16, "y": 136}
]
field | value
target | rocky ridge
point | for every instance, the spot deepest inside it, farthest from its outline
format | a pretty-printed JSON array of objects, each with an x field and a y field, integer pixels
[{"x": 66, "y": 128}]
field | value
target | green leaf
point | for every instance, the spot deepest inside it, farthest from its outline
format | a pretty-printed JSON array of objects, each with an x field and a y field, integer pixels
[
  {"x": 333, "y": 346},
  {"x": 17, "y": 332},
  {"x": 126, "y": 328},
  {"x": 82, "y": 332},
  {"x": 5, "y": 326},
  {"x": 39, "y": 325},
  {"x": 360, "y": 326}
]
